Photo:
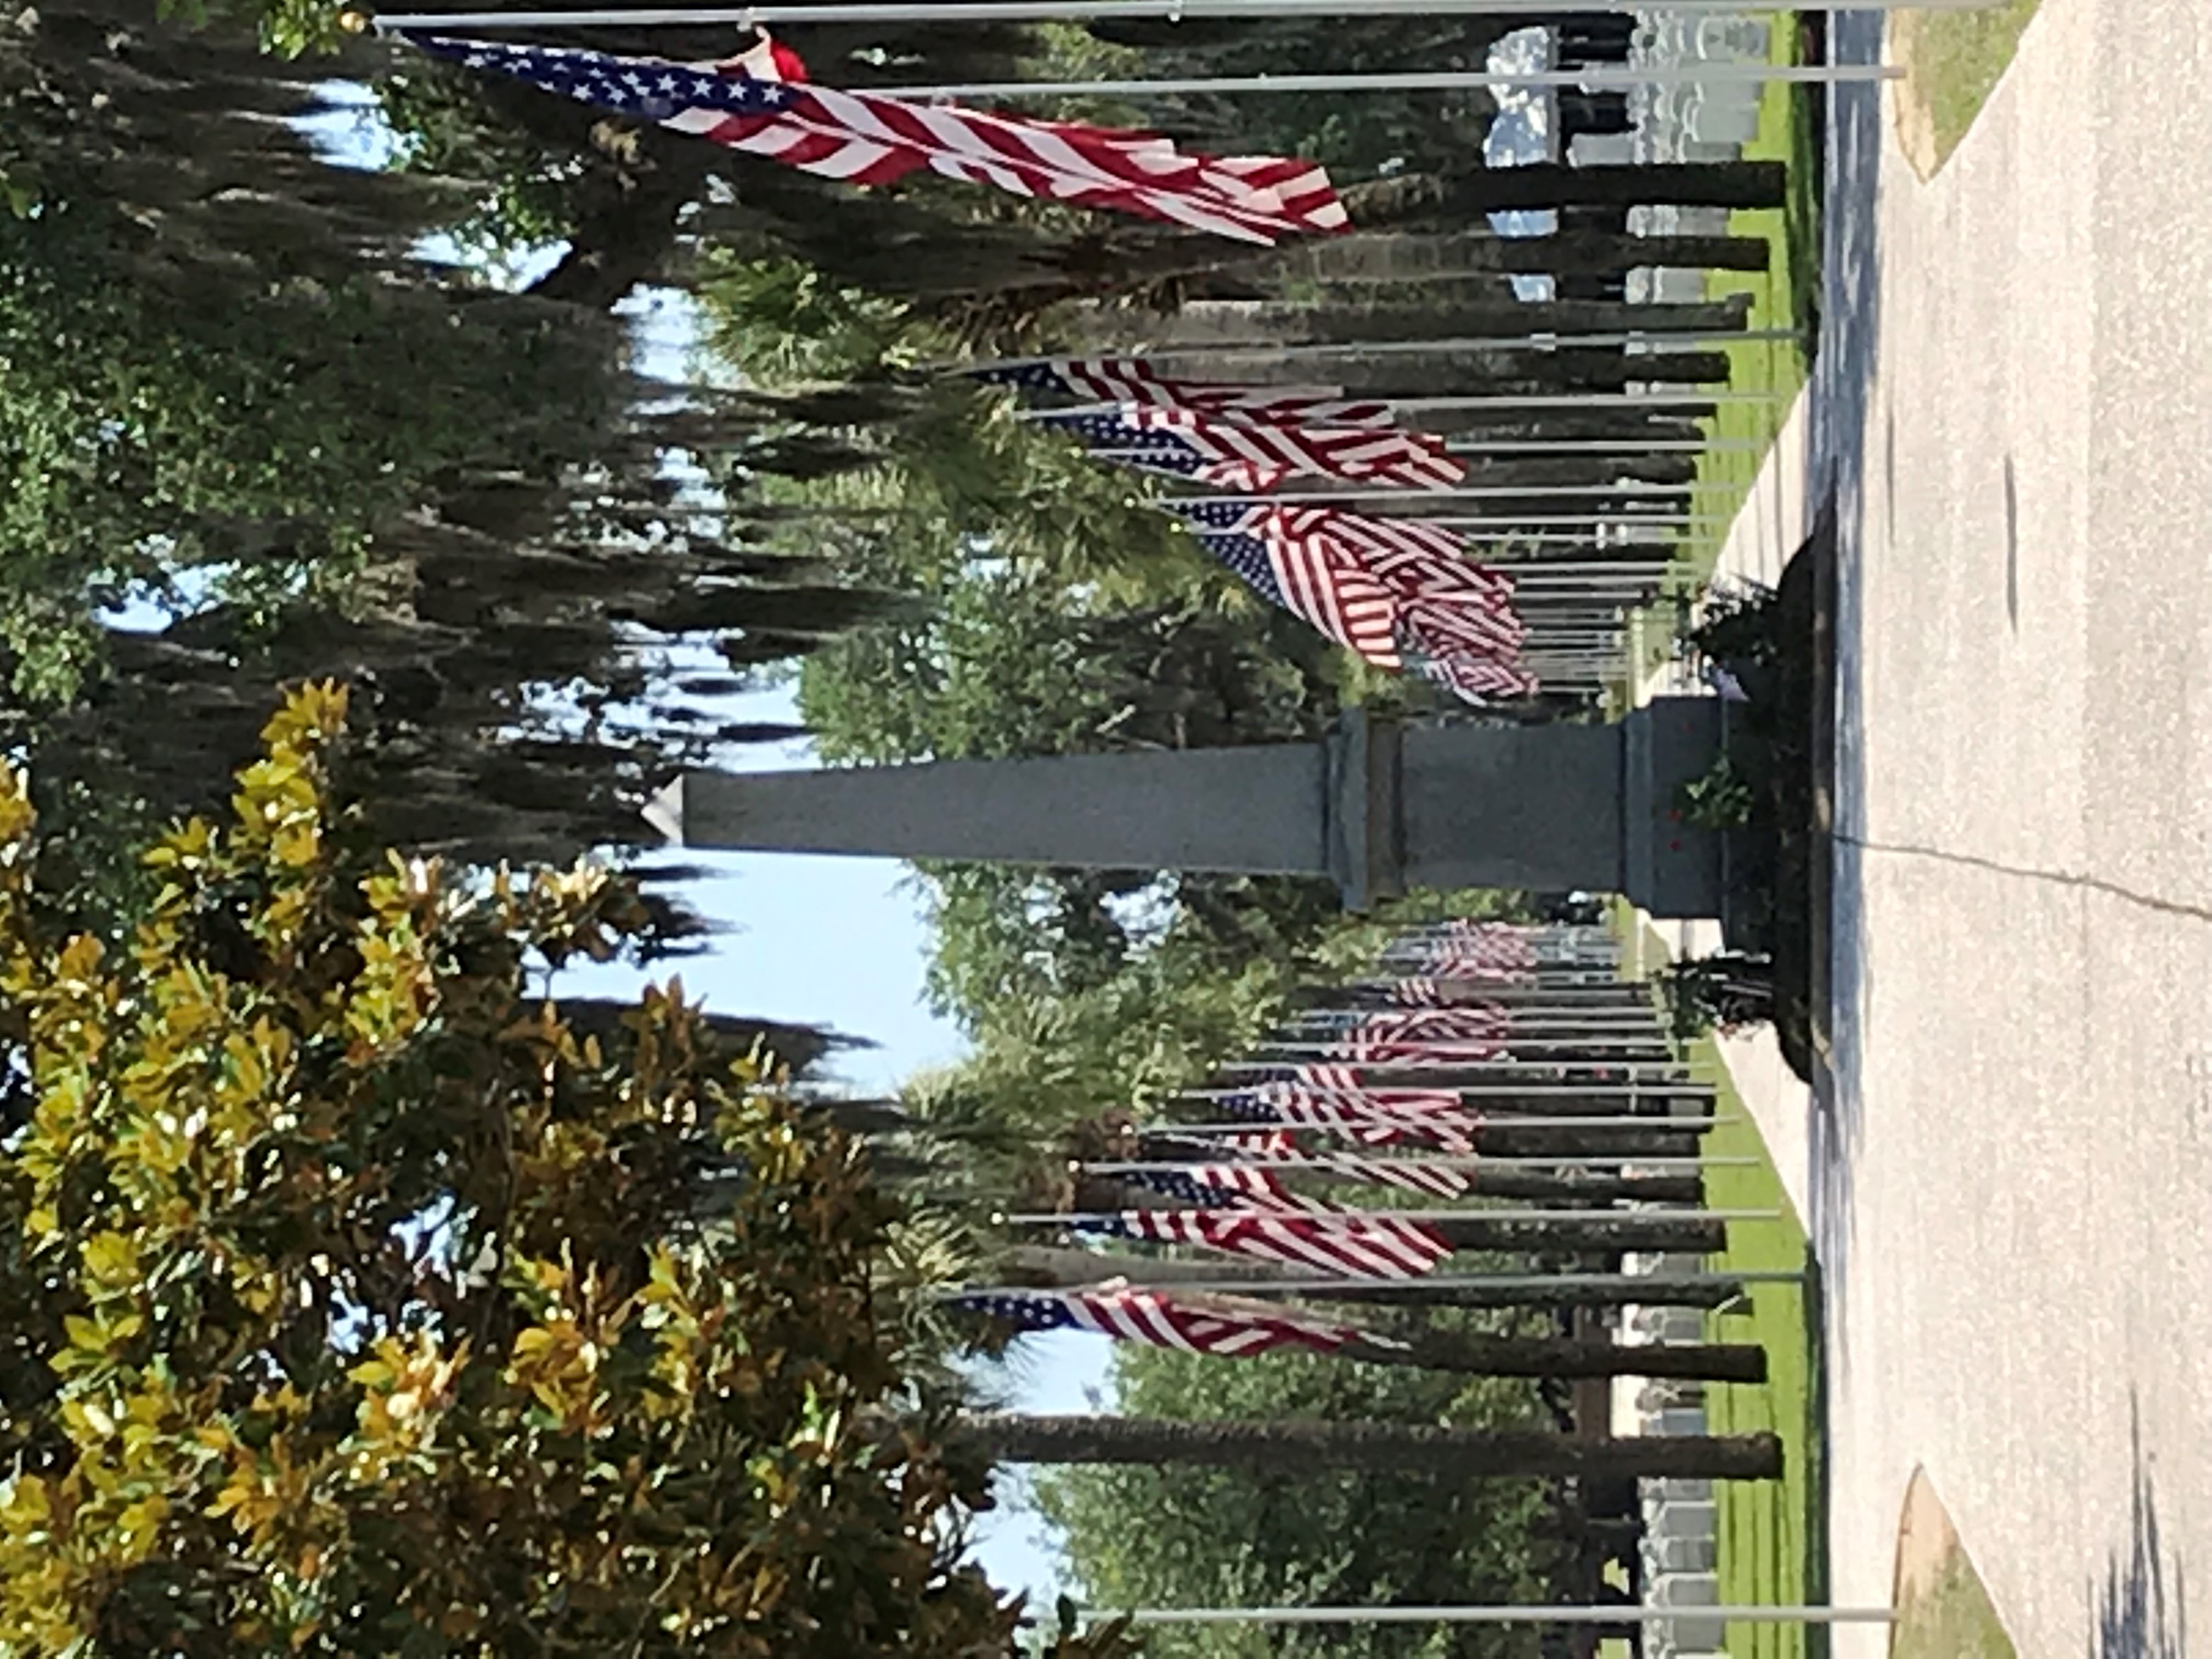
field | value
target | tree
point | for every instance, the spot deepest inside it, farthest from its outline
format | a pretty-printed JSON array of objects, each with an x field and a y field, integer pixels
[
  {"x": 1280, "y": 1480},
  {"x": 235, "y": 392},
  {"x": 359, "y": 1303},
  {"x": 1250, "y": 1533}
]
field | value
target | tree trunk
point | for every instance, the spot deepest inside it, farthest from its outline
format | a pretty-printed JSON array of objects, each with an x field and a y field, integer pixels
[
  {"x": 1591, "y": 368},
  {"x": 1606, "y": 1291},
  {"x": 1295, "y": 1448},
  {"x": 1539, "y": 1355},
  {"x": 1053, "y": 1267},
  {"x": 1503, "y": 1140},
  {"x": 1459, "y": 197},
  {"x": 1689, "y": 1234},
  {"x": 1251, "y": 323},
  {"x": 1399, "y": 257}
]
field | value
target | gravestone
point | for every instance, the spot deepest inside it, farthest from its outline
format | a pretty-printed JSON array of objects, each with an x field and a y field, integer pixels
[{"x": 1378, "y": 806}]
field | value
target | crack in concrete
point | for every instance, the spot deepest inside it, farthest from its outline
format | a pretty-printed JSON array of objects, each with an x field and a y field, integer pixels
[{"x": 2067, "y": 878}]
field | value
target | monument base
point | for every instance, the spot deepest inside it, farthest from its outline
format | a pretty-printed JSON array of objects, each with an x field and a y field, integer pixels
[{"x": 1556, "y": 808}]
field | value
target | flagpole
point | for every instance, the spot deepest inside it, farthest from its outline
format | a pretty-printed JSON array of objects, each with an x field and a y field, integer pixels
[
  {"x": 1587, "y": 80},
  {"x": 1600, "y": 1613},
  {"x": 1502, "y": 1282},
  {"x": 1577, "y": 400},
  {"x": 1539, "y": 340},
  {"x": 1049, "y": 11},
  {"x": 1457, "y": 493},
  {"x": 1328, "y": 1164},
  {"x": 1330, "y": 1217},
  {"x": 1632, "y": 490},
  {"x": 1412, "y": 1120},
  {"x": 1534, "y": 1088}
]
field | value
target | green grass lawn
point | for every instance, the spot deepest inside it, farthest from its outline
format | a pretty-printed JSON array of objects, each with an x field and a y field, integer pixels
[
  {"x": 1785, "y": 295},
  {"x": 1770, "y": 1531},
  {"x": 1952, "y": 60},
  {"x": 1953, "y": 1618}
]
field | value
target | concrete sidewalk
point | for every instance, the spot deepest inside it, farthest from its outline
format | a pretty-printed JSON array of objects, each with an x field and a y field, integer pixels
[{"x": 2011, "y": 1189}]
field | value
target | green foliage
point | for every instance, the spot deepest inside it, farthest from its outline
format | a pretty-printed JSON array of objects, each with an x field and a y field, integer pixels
[
  {"x": 358, "y": 1305},
  {"x": 1174, "y": 1537},
  {"x": 288, "y": 28},
  {"x": 1717, "y": 993},
  {"x": 260, "y": 429},
  {"x": 523, "y": 183},
  {"x": 1719, "y": 798}
]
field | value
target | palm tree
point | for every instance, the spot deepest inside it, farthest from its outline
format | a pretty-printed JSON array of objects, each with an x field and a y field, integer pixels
[{"x": 1010, "y": 1437}]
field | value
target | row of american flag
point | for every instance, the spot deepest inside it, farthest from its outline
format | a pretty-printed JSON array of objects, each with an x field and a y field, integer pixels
[
  {"x": 1239, "y": 1199},
  {"x": 1402, "y": 593}
]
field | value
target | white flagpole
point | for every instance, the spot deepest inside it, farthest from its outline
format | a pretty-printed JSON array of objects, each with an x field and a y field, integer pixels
[
  {"x": 1536, "y": 340},
  {"x": 1330, "y": 1163},
  {"x": 1540, "y": 1615},
  {"x": 1468, "y": 493},
  {"x": 1657, "y": 1282},
  {"x": 1589, "y": 80},
  {"x": 1411, "y": 1119},
  {"x": 1640, "y": 1211},
  {"x": 1580, "y": 400},
  {"x": 1048, "y": 11}
]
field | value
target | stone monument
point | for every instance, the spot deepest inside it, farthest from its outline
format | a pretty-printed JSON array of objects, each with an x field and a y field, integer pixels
[{"x": 1377, "y": 806}]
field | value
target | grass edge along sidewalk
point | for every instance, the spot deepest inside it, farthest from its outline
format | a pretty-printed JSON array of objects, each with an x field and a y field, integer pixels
[
  {"x": 1772, "y": 1535},
  {"x": 1953, "y": 61},
  {"x": 1785, "y": 295}
]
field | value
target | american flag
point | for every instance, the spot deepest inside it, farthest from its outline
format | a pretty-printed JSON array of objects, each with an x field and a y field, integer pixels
[
  {"x": 1415, "y": 993},
  {"x": 1371, "y": 1118},
  {"x": 1220, "y": 1185},
  {"x": 1350, "y": 1242},
  {"x": 1281, "y": 1151},
  {"x": 1243, "y": 451},
  {"x": 1472, "y": 949},
  {"x": 1449, "y": 603},
  {"x": 1470, "y": 677},
  {"x": 868, "y": 138},
  {"x": 1445, "y": 1034},
  {"x": 1427, "y": 991},
  {"x": 1133, "y": 380},
  {"x": 1273, "y": 452},
  {"x": 1323, "y": 585},
  {"x": 1212, "y": 1325},
  {"x": 1347, "y": 1246},
  {"x": 1451, "y": 619}
]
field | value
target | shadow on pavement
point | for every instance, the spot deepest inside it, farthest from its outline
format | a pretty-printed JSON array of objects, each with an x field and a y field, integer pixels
[
  {"x": 1839, "y": 412},
  {"x": 2143, "y": 1609}
]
